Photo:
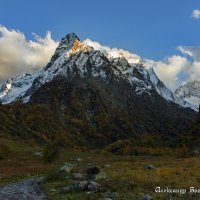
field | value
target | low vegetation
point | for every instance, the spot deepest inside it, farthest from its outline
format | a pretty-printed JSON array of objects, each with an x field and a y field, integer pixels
[{"x": 126, "y": 175}]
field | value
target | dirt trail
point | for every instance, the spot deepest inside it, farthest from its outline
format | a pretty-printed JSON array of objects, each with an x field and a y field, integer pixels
[{"x": 26, "y": 190}]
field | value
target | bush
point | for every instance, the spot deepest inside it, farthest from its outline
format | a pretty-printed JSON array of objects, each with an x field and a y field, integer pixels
[
  {"x": 50, "y": 153},
  {"x": 130, "y": 148},
  {"x": 4, "y": 151}
]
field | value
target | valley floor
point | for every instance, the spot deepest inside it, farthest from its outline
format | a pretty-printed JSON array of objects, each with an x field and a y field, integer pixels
[{"x": 120, "y": 177}]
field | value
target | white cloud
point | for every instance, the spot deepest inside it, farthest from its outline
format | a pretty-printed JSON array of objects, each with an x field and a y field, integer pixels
[
  {"x": 193, "y": 52},
  {"x": 170, "y": 69},
  {"x": 193, "y": 70},
  {"x": 177, "y": 70},
  {"x": 196, "y": 14},
  {"x": 17, "y": 54}
]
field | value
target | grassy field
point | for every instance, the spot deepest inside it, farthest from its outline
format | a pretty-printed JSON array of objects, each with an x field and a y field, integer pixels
[{"x": 125, "y": 175}]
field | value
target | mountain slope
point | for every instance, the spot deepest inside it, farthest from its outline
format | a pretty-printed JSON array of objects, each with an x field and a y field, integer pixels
[{"x": 94, "y": 99}]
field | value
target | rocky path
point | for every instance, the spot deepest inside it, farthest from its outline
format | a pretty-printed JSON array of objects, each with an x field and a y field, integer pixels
[{"x": 26, "y": 190}]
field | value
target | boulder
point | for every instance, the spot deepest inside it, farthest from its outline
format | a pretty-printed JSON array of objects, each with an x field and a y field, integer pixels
[
  {"x": 149, "y": 167},
  {"x": 38, "y": 154},
  {"x": 53, "y": 190},
  {"x": 67, "y": 167},
  {"x": 93, "y": 186},
  {"x": 107, "y": 165},
  {"x": 78, "y": 159},
  {"x": 80, "y": 185},
  {"x": 195, "y": 152},
  {"x": 112, "y": 195},
  {"x": 105, "y": 199},
  {"x": 77, "y": 176},
  {"x": 86, "y": 186}
]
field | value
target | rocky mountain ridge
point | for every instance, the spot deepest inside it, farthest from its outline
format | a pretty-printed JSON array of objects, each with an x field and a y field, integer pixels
[{"x": 73, "y": 55}]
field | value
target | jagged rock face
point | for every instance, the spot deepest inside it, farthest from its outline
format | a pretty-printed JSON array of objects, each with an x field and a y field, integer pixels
[
  {"x": 190, "y": 92},
  {"x": 75, "y": 58},
  {"x": 102, "y": 99}
]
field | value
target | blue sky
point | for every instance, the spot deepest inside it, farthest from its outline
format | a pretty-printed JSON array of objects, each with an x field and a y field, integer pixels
[{"x": 152, "y": 29}]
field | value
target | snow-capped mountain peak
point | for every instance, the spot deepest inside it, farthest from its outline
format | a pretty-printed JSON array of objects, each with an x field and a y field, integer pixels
[
  {"x": 190, "y": 92},
  {"x": 66, "y": 43},
  {"x": 68, "y": 46},
  {"x": 78, "y": 46},
  {"x": 73, "y": 58}
]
